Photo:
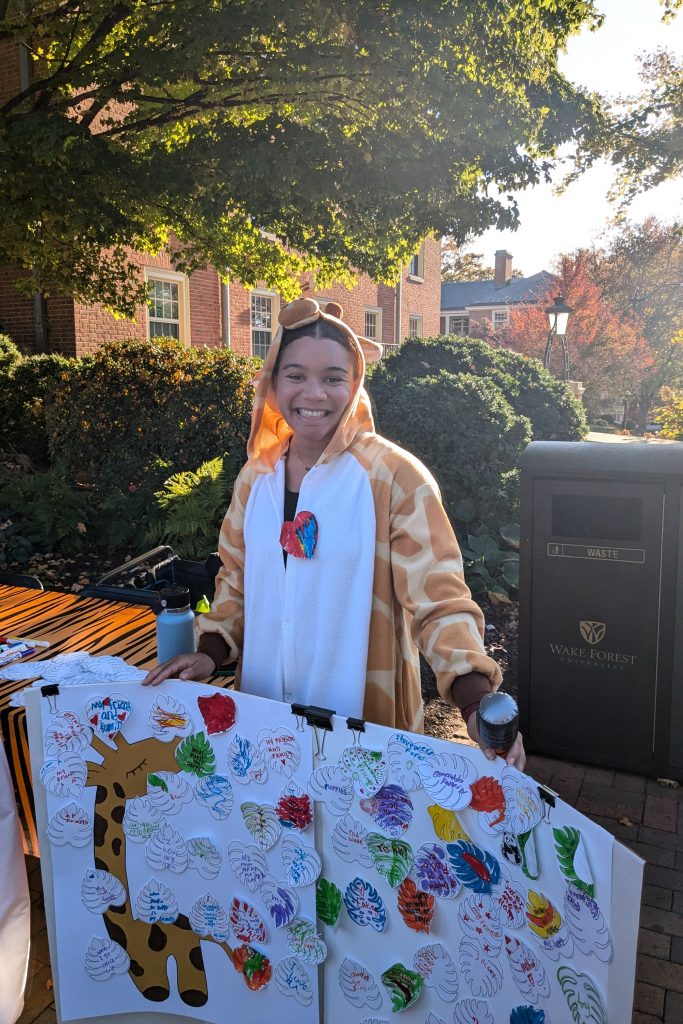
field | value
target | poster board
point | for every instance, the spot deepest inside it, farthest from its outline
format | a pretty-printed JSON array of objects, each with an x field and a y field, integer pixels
[{"x": 420, "y": 911}]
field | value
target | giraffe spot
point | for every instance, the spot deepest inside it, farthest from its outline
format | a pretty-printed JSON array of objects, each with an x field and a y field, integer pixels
[
  {"x": 156, "y": 993},
  {"x": 196, "y": 958},
  {"x": 117, "y": 813},
  {"x": 118, "y": 910},
  {"x": 182, "y": 921},
  {"x": 119, "y": 790},
  {"x": 100, "y": 829},
  {"x": 116, "y": 846},
  {"x": 136, "y": 969},
  {"x": 193, "y": 997},
  {"x": 100, "y": 795},
  {"x": 116, "y": 933},
  {"x": 101, "y": 864},
  {"x": 157, "y": 938}
]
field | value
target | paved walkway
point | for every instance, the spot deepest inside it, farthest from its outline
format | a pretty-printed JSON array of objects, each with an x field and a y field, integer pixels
[{"x": 641, "y": 813}]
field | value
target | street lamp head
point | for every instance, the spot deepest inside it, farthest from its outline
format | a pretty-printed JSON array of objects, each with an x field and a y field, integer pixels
[{"x": 558, "y": 315}]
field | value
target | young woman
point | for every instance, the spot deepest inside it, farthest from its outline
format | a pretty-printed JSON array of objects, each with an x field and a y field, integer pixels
[{"x": 339, "y": 561}]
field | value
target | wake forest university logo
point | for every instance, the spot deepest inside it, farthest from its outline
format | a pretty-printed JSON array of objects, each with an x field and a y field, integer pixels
[{"x": 592, "y": 632}]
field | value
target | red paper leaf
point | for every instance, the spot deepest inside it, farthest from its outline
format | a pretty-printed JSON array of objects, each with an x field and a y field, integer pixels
[
  {"x": 218, "y": 711},
  {"x": 416, "y": 907}
]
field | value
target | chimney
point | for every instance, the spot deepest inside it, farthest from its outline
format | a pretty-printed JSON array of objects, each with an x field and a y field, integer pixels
[{"x": 503, "y": 271}]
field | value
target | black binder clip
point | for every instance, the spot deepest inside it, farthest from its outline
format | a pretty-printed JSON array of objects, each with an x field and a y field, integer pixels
[
  {"x": 299, "y": 712},
  {"x": 548, "y": 797},
  {"x": 357, "y": 726},
  {"x": 319, "y": 718},
  {"x": 51, "y": 692}
]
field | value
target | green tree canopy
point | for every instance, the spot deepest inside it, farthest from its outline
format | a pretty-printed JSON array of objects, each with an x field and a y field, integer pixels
[{"x": 269, "y": 136}]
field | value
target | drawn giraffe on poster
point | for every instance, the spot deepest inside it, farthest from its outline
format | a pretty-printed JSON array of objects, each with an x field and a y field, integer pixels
[{"x": 121, "y": 776}]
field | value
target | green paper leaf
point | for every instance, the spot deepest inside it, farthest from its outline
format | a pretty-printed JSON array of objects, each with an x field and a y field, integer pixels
[
  {"x": 569, "y": 850},
  {"x": 195, "y": 755},
  {"x": 328, "y": 901},
  {"x": 404, "y": 986},
  {"x": 392, "y": 857},
  {"x": 154, "y": 780}
]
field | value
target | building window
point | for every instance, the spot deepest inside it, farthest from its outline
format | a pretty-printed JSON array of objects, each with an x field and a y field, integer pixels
[
  {"x": 167, "y": 304},
  {"x": 373, "y": 323},
  {"x": 263, "y": 313},
  {"x": 459, "y": 325},
  {"x": 500, "y": 318},
  {"x": 414, "y": 326},
  {"x": 416, "y": 265}
]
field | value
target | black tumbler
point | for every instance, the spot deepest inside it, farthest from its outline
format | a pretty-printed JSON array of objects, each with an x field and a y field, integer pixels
[{"x": 498, "y": 721}]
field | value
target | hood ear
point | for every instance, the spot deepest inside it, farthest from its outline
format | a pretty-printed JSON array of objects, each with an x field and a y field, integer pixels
[
  {"x": 298, "y": 313},
  {"x": 372, "y": 350}
]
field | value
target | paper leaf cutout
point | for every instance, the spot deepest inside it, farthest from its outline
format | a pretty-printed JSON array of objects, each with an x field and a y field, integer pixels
[
  {"x": 478, "y": 915},
  {"x": 476, "y": 868},
  {"x": 292, "y": 979},
  {"x": 404, "y": 986},
  {"x": 523, "y": 807},
  {"x": 415, "y": 907},
  {"x": 510, "y": 903},
  {"x": 391, "y": 808},
  {"x": 248, "y": 865},
  {"x": 218, "y": 711},
  {"x": 167, "y": 850},
  {"x": 104, "y": 959},
  {"x": 169, "y": 718},
  {"x": 391, "y": 857},
  {"x": 431, "y": 872},
  {"x": 281, "y": 751},
  {"x": 304, "y": 942},
  {"x": 203, "y": 856},
  {"x": 302, "y": 863},
  {"x": 483, "y": 975},
  {"x": 254, "y": 967},
  {"x": 366, "y": 769},
  {"x": 156, "y": 903},
  {"x": 571, "y": 856},
  {"x": 294, "y": 808},
  {"x": 333, "y": 787},
  {"x": 433, "y": 1019},
  {"x": 587, "y": 924},
  {"x": 528, "y": 1015},
  {"x": 435, "y": 964},
  {"x": 66, "y": 732},
  {"x": 447, "y": 777},
  {"x": 527, "y": 849},
  {"x": 282, "y": 903},
  {"x": 262, "y": 824},
  {"x": 328, "y": 902},
  {"x": 583, "y": 998},
  {"x": 510, "y": 850},
  {"x": 473, "y": 1011},
  {"x": 349, "y": 840},
  {"x": 70, "y": 826},
  {"x": 64, "y": 775},
  {"x": 527, "y": 970},
  {"x": 447, "y": 825},
  {"x": 364, "y": 905},
  {"x": 169, "y": 791},
  {"x": 404, "y": 755},
  {"x": 488, "y": 798},
  {"x": 101, "y": 890},
  {"x": 245, "y": 762},
  {"x": 548, "y": 928},
  {"x": 358, "y": 985},
  {"x": 195, "y": 755},
  {"x": 207, "y": 917},
  {"x": 215, "y": 793},
  {"x": 142, "y": 818},
  {"x": 246, "y": 922},
  {"x": 107, "y": 715}
]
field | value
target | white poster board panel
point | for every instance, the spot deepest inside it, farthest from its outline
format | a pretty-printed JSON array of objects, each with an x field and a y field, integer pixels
[
  {"x": 140, "y": 853},
  {"x": 485, "y": 927}
]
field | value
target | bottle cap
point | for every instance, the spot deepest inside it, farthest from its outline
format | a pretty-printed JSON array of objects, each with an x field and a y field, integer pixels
[
  {"x": 498, "y": 720},
  {"x": 175, "y": 597}
]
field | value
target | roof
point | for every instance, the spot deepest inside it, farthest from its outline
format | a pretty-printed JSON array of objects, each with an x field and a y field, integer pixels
[{"x": 463, "y": 294}]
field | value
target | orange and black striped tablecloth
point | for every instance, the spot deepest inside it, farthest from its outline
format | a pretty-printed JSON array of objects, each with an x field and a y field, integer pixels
[{"x": 70, "y": 623}]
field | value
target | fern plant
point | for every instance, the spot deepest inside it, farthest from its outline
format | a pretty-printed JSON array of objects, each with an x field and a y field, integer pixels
[{"x": 52, "y": 512}]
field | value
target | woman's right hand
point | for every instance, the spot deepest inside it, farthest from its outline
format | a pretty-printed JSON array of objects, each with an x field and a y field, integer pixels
[{"x": 183, "y": 666}]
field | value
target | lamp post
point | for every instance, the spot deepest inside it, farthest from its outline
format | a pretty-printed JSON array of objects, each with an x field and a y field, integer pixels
[{"x": 558, "y": 315}]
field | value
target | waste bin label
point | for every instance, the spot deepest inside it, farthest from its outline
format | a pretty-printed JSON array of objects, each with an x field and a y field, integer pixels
[{"x": 595, "y": 553}]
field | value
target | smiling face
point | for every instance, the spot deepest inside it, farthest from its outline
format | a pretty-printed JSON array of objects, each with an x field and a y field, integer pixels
[{"x": 314, "y": 385}]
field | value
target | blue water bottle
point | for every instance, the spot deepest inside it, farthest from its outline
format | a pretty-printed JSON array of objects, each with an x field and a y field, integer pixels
[{"x": 175, "y": 624}]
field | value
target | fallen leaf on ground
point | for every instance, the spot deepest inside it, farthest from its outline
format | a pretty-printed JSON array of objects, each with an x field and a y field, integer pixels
[
  {"x": 626, "y": 821},
  {"x": 671, "y": 783}
]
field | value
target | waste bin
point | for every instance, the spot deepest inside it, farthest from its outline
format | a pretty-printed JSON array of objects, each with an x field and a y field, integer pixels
[{"x": 601, "y": 603}]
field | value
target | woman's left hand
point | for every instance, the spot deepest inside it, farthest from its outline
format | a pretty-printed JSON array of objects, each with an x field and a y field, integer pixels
[{"x": 516, "y": 755}]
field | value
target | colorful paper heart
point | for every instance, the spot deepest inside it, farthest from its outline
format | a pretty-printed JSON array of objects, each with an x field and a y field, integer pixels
[
  {"x": 107, "y": 714},
  {"x": 300, "y": 536}
]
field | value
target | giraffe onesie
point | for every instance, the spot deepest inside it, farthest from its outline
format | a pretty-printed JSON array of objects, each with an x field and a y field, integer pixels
[{"x": 342, "y": 629}]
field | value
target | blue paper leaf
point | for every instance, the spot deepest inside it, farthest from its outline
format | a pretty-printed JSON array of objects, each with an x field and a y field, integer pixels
[
  {"x": 432, "y": 872},
  {"x": 527, "y": 1015},
  {"x": 476, "y": 868},
  {"x": 364, "y": 905}
]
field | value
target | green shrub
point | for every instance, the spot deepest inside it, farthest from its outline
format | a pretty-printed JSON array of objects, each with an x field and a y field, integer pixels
[
  {"x": 9, "y": 354},
  {"x": 465, "y": 431},
  {"x": 531, "y": 391},
  {"x": 137, "y": 412},
  {"x": 26, "y": 387},
  {"x": 49, "y": 512}
]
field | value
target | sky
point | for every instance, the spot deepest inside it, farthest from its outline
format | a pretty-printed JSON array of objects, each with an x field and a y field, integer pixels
[{"x": 604, "y": 61}]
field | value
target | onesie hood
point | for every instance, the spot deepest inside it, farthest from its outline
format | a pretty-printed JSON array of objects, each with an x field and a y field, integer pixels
[{"x": 270, "y": 432}]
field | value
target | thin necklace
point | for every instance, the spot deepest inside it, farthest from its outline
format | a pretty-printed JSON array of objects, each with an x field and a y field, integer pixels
[{"x": 307, "y": 468}]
